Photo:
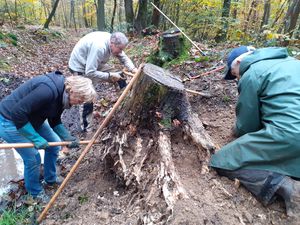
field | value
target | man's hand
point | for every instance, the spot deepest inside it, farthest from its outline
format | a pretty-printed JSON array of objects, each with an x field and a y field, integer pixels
[
  {"x": 114, "y": 76},
  {"x": 134, "y": 70}
]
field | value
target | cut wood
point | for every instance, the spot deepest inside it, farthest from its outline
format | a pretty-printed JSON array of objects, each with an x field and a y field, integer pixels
[{"x": 187, "y": 90}]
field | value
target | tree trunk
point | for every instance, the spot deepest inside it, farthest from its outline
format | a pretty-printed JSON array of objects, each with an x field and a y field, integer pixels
[
  {"x": 113, "y": 17},
  {"x": 16, "y": 12},
  {"x": 8, "y": 11},
  {"x": 266, "y": 16},
  {"x": 279, "y": 13},
  {"x": 72, "y": 14},
  {"x": 101, "y": 15},
  {"x": 120, "y": 12},
  {"x": 292, "y": 17},
  {"x": 46, "y": 25},
  {"x": 129, "y": 15},
  {"x": 155, "y": 13},
  {"x": 138, "y": 142},
  {"x": 86, "y": 24},
  {"x": 222, "y": 33},
  {"x": 141, "y": 19},
  {"x": 66, "y": 23},
  {"x": 248, "y": 21}
]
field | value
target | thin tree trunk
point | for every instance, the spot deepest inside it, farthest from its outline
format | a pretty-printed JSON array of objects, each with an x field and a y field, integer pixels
[
  {"x": 120, "y": 13},
  {"x": 293, "y": 18},
  {"x": 129, "y": 15},
  {"x": 177, "y": 13},
  {"x": 141, "y": 20},
  {"x": 46, "y": 25},
  {"x": 86, "y": 24},
  {"x": 113, "y": 17},
  {"x": 72, "y": 14},
  {"x": 101, "y": 15},
  {"x": 8, "y": 12},
  {"x": 222, "y": 33},
  {"x": 65, "y": 14},
  {"x": 248, "y": 19},
  {"x": 279, "y": 13},
  {"x": 16, "y": 12},
  {"x": 266, "y": 16},
  {"x": 155, "y": 13}
]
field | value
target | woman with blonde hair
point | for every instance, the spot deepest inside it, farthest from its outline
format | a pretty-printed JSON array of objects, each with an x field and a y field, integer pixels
[{"x": 32, "y": 113}]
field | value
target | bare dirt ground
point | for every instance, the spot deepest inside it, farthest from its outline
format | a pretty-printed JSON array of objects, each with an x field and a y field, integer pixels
[{"x": 96, "y": 196}]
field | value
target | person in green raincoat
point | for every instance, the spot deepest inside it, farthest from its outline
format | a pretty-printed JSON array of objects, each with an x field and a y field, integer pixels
[{"x": 266, "y": 155}]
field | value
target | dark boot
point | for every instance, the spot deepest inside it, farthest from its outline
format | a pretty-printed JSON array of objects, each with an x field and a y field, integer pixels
[{"x": 290, "y": 191}]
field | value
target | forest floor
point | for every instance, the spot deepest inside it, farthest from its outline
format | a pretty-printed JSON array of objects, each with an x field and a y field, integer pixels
[{"x": 94, "y": 195}]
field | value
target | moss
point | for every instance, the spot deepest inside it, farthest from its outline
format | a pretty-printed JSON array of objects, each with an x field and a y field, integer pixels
[
  {"x": 164, "y": 59},
  {"x": 153, "y": 94}
]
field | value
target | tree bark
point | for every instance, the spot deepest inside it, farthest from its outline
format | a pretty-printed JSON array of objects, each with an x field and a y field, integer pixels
[
  {"x": 279, "y": 13},
  {"x": 113, "y": 17},
  {"x": 141, "y": 19},
  {"x": 72, "y": 14},
  {"x": 138, "y": 142},
  {"x": 155, "y": 13},
  {"x": 86, "y": 23},
  {"x": 101, "y": 15},
  {"x": 46, "y": 25},
  {"x": 222, "y": 33},
  {"x": 266, "y": 16},
  {"x": 129, "y": 14},
  {"x": 292, "y": 17}
]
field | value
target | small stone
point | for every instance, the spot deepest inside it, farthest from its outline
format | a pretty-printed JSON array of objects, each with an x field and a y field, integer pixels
[{"x": 248, "y": 217}]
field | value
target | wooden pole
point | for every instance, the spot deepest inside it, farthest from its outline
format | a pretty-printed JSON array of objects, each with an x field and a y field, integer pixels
[
  {"x": 87, "y": 148},
  {"x": 31, "y": 145},
  {"x": 178, "y": 28},
  {"x": 208, "y": 72}
]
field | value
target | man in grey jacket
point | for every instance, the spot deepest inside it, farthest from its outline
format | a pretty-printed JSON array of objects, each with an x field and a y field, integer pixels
[{"x": 89, "y": 58}]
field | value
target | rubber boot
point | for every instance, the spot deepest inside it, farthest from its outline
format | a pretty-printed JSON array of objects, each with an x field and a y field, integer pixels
[{"x": 290, "y": 191}]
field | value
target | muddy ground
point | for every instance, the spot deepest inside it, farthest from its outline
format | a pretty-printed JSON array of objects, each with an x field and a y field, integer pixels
[{"x": 95, "y": 195}]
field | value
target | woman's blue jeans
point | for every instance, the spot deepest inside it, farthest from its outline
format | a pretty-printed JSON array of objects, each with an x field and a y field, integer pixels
[{"x": 31, "y": 156}]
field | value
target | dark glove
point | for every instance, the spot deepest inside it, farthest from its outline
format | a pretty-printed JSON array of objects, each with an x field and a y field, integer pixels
[
  {"x": 29, "y": 132},
  {"x": 65, "y": 135},
  {"x": 74, "y": 144}
]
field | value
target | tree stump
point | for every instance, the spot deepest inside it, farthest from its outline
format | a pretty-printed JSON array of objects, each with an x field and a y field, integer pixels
[
  {"x": 172, "y": 46},
  {"x": 138, "y": 142}
]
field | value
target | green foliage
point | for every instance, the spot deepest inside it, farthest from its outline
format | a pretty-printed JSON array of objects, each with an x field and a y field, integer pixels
[
  {"x": 18, "y": 216},
  {"x": 12, "y": 36},
  {"x": 83, "y": 199},
  {"x": 226, "y": 99},
  {"x": 201, "y": 59},
  {"x": 8, "y": 38}
]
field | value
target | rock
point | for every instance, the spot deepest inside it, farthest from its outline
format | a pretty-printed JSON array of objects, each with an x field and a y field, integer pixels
[{"x": 248, "y": 217}]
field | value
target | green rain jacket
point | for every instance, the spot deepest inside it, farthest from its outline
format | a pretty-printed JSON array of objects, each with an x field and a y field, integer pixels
[{"x": 268, "y": 115}]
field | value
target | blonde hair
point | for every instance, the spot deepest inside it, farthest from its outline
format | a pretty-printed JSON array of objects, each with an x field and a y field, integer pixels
[{"x": 81, "y": 87}]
